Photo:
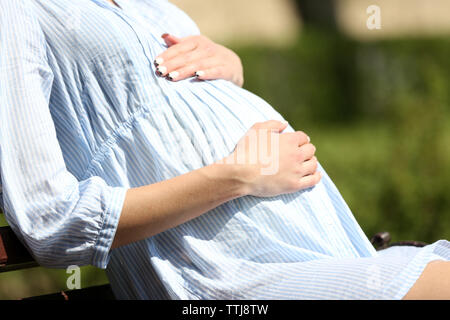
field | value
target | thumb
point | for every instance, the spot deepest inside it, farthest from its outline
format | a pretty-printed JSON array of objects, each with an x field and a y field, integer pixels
[
  {"x": 170, "y": 40},
  {"x": 273, "y": 125}
]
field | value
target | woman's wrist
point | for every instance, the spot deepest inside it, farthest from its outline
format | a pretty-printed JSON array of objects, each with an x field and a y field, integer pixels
[{"x": 227, "y": 173}]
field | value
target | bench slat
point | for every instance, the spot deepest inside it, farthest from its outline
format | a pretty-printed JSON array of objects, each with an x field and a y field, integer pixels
[{"x": 13, "y": 255}]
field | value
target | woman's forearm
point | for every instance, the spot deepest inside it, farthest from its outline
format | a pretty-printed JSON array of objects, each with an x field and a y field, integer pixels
[{"x": 151, "y": 209}]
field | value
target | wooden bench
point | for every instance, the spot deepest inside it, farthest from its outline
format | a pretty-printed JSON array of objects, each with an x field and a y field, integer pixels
[{"x": 14, "y": 256}]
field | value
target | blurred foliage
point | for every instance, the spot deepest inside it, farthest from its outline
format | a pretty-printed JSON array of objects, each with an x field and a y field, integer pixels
[
  {"x": 318, "y": 14},
  {"x": 379, "y": 114}
]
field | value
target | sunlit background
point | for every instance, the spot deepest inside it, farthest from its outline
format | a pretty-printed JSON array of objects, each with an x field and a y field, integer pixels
[{"x": 376, "y": 103}]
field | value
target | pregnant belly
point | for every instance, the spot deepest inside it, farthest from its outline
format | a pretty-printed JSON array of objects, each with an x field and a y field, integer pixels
[
  {"x": 207, "y": 119},
  {"x": 215, "y": 115}
]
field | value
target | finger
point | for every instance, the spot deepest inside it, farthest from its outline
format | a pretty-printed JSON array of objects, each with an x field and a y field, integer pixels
[
  {"x": 310, "y": 181},
  {"x": 189, "y": 61},
  {"x": 298, "y": 137},
  {"x": 273, "y": 125},
  {"x": 309, "y": 167},
  {"x": 170, "y": 40},
  {"x": 211, "y": 73},
  {"x": 307, "y": 151},
  {"x": 178, "y": 68},
  {"x": 220, "y": 72},
  {"x": 181, "y": 73},
  {"x": 174, "y": 50},
  {"x": 214, "y": 71}
]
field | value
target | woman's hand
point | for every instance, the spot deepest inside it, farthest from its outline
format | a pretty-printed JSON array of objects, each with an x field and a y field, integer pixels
[
  {"x": 200, "y": 57},
  {"x": 289, "y": 166},
  {"x": 272, "y": 163}
]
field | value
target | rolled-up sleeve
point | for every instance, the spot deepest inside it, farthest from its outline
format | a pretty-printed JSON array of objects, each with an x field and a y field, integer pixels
[{"x": 61, "y": 220}]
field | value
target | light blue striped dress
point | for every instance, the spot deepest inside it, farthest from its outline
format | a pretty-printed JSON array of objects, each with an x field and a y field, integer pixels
[{"x": 84, "y": 118}]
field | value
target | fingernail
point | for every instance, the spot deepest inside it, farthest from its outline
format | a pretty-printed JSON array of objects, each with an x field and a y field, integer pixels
[
  {"x": 309, "y": 139},
  {"x": 158, "y": 61},
  {"x": 161, "y": 69},
  {"x": 173, "y": 75},
  {"x": 199, "y": 73},
  {"x": 164, "y": 35},
  {"x": 284, "y": 122}
]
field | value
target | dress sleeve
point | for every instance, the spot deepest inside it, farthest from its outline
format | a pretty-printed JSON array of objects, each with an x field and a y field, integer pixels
[{"x": 61, "y": 220}]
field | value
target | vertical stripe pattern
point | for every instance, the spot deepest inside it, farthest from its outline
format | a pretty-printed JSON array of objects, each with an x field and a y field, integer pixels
[{"x": 84, "y": 117}]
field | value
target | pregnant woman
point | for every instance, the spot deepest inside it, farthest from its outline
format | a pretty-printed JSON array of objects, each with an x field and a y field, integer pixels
[{"x": 113, "y": 155}]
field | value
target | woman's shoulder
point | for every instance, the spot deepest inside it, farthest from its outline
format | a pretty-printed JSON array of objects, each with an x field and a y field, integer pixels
[
  {"x": 17, "y": 11},
  {"x": 20, "y": 30}
]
